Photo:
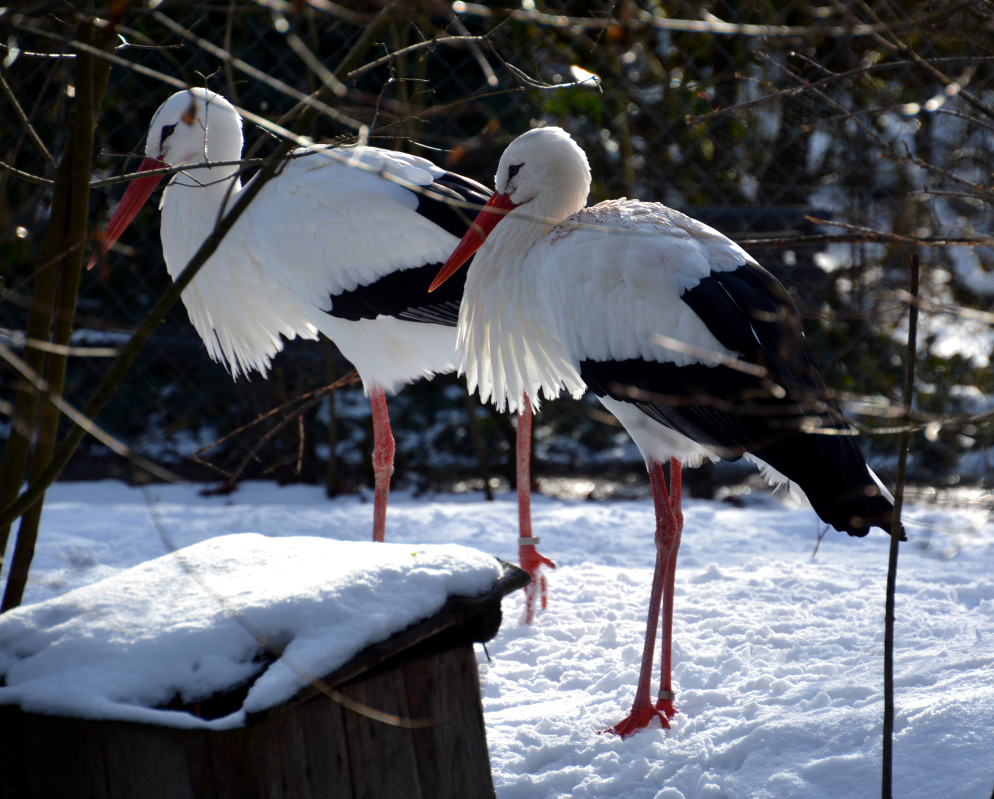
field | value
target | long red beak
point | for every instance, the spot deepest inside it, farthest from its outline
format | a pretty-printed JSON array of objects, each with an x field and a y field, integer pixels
[
  {"x": 495, "y": 210},
  {"x": 134, "y": 198}
]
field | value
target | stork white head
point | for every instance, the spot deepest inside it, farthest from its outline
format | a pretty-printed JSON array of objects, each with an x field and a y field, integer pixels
[
  {"x": 545, "y": 174},
  {"x": 545, "y": 167},
  {"x": 193, "y": 126}
]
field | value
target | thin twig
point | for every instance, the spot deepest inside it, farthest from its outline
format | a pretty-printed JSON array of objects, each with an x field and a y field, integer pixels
[
  {"x": 902, "y": 464},
  {"x": 881, "y": 235},
  {"x": 105, "y": 390},
  {"x": 258, "y": 74},
  {"x": 85, "y": 422},
  {"x": 21, "y": 341},
  {"x": 833, "y": 77},
  {"x": 710, "y": 25},
  {"x": 412, "y": 48},
  {"x": 350, "y": 378},
  {"x": 32, "y": 133},
  {"x": 325, "y": 75},
  {"x": 931, "y": 306},
  {"x": 26, "y": 176},
  {"x": 478, "y": 55},
  {"x": 821, "y": 537},
  {"x": 332, "y": 9},
  {"x": 300, "y": 444},
  {"x": 306, "y": 401},
  {"x": 864, "y": 235}
]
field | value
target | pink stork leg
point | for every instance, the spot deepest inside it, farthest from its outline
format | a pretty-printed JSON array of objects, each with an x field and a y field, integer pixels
[
  {"x": 664, "y": 703},
  {"x": 383, "y": 449},
  {"x": 669, "y": 525},
  {"x": 529, "y": 557}
]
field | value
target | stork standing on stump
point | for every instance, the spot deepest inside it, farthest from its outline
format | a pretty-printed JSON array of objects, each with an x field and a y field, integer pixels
[
  {"x": 691, "y": 344},
  {"x": 342, "y": 242}
]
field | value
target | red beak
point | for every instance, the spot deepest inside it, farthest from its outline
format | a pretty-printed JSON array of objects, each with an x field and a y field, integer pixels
[
  {"x": 134, "y": 198},
  {"x": 495, "y": 210}
]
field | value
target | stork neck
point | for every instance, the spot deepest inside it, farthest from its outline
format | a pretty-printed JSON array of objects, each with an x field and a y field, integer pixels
[
  {"x": 200, "y": 194},
  {"x": 515, "y": 235},
  {"x": 191, "y": 207},
  {"x": 206, "y": 189}
]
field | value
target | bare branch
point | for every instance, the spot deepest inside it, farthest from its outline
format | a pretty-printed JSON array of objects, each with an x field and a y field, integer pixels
[
  {"x": 32, "y": 133},
  {"x": 474, "y": 48},
  {"x": 85, "y": 422},
  {"x": 867, "y": 234},
  {"x": 709, "y": 25},
  {"x": 258, "y": 74},
  {"x": 303, "y": 403},
  {"x": 413, "y": 48},
  {"x": 18, "y": 340},
  {"x": 27, "y": 176},
  {"x": 832, "y": 77}
]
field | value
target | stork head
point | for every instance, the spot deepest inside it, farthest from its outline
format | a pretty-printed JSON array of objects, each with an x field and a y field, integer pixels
[
  {"x": 193, "y": 126},
  {"x": 545, "y": 167},
  {"x": 545, "y": 174}
]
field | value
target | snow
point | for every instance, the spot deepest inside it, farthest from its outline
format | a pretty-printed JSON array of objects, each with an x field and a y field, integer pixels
[
  {"x": 189, "y": 623},
  {"x": 777, "y": 648}
]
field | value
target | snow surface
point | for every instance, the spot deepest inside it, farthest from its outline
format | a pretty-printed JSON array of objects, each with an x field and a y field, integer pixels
[
  {"x": 190, "y": 624},
  {"x": 778, "y": 654}
]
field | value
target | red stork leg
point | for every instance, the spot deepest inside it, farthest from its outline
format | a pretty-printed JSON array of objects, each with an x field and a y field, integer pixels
[
  {"x": 529, "y": 557},
  {"x": 669, "y": 525},
  {"x": 664, "y": 703},
  {"x": 383, "y": 449}
]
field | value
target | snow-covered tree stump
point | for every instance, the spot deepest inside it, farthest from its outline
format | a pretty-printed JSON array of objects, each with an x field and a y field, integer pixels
[{"x": 402, "y": 717}]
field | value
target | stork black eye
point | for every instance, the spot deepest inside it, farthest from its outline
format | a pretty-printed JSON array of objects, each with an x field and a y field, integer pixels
[
  {"x": 512, "y": 170},
  {"x": 167, "y": 131}
]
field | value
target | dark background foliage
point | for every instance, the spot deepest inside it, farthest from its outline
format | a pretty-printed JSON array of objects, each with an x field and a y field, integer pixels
[{"x": 800, "y": 125}]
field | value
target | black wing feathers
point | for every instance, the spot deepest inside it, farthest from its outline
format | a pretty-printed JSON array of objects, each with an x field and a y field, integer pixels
[
  {"x": 404, "y": 294},
  {"x": 444, "y": 203},
  {"x": 772, "y": 403}
]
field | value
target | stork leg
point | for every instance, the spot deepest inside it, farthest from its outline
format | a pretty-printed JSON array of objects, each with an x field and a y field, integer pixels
[
  {"x": 665, "y": 701},
  {"x": 383, "y": 449},
  {"x": 669, "y": 525},
  {"x": 528, "y": 556}
]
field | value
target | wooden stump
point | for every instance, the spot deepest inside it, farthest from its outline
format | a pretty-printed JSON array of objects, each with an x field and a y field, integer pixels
[{"x": 328, "y": 741}]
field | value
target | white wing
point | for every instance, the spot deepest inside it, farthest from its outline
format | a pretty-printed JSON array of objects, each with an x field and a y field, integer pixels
[
  {"x": 323, "y": 226},
  {"x": 345, "y": 224},
  {"x": 614, "y": 276}
]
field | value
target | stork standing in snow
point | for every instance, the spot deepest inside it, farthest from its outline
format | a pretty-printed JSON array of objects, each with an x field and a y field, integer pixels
[
  {"x": 692, "y": 345},
  {"x": 342, "y": 242}
]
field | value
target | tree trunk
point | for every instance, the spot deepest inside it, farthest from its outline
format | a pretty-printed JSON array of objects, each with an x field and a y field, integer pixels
[{"x": 56, "y": 289}]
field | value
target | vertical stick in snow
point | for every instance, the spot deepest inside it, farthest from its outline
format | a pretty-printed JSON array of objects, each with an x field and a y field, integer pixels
[{"x": 902, "y": 463}]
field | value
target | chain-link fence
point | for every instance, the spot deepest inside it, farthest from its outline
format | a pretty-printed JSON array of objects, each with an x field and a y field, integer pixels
[{"x": 835, "y": 140}]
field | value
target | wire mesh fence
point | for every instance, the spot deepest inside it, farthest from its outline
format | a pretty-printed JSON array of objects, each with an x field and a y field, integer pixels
[{"x": 833, "y": 140}]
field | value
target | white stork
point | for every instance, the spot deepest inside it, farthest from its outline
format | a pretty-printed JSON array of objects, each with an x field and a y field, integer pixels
[
  {"x": 692, "y": 345},
  {"x": 342, "y": 242}
]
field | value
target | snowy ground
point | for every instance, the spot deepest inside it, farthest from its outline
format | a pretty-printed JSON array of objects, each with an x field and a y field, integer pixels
[{"x": 778, "y": 655}]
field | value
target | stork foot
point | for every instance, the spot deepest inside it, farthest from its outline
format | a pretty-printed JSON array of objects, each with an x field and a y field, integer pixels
[
  {"x": 532, "y": 561},
  {"x": 665, "y": 706},
  {"x": 640, "y": 718}
]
